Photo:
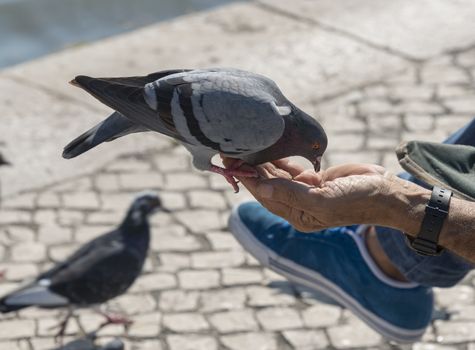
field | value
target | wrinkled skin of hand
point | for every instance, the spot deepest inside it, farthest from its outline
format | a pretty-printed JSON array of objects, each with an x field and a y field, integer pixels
[{"x": 341, "y": 195}]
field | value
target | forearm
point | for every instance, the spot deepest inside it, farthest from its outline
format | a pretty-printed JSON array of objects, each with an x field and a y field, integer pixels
[{"x": 408, "y": 202}]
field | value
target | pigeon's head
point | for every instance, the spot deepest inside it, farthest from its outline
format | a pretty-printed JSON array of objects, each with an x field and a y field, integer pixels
[
  {"x": 309, "y": 138},
  {"x": 145, "y": 204}
]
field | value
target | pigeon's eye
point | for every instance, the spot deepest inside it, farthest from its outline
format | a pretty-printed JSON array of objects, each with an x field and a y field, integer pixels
[{"x": 316, "y": 146}]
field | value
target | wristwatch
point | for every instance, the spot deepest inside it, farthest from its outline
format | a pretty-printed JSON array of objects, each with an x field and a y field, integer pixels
[{"x": 426, "y": 241}]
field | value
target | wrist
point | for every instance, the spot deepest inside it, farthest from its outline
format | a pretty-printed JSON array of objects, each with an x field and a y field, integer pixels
[{"x": 405, "y": 203}]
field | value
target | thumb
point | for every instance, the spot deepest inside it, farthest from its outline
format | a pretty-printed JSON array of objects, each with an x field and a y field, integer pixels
[{"x": 291, "y": 193}]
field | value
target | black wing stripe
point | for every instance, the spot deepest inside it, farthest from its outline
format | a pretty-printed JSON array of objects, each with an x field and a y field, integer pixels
[
  {"x": 185, "y": 93},
  {"x": 164, "y": 94}
]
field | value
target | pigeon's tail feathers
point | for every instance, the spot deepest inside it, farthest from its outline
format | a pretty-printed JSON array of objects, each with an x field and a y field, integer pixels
[
  {"x": 31, "y": 295},
  {"x": 113, "y": 127},
  {"x": 126, "y": 97}
]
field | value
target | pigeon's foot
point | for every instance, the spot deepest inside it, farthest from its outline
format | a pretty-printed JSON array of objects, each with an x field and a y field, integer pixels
[
  {"x": 61, "y": 326},
  {"x": 113, "y": 318},
  {"x": 229, "y": 174},
  {"x": 2, "y": 274}
]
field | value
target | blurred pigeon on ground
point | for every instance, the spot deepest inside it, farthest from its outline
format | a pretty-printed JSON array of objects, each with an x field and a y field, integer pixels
[
  {"x": 235, "y": 113},
  {"x": 87, "y": 343},
  {"x": 100, "y": 270}
]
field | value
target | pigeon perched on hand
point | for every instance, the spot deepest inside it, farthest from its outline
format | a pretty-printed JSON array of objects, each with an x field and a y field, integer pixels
[
  {"x": 100, "y": 270},
  {"x": 235, "y": 113}
]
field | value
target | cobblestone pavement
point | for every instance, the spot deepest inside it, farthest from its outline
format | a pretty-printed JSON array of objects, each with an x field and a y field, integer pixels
[{"x": 200, "y": 290}]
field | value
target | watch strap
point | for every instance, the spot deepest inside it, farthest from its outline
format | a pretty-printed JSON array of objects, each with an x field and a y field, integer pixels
[{"x": 426, "y": 242}]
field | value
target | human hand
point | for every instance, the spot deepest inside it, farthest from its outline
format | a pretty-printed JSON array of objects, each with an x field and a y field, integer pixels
[{"x": 342, "y": 195}]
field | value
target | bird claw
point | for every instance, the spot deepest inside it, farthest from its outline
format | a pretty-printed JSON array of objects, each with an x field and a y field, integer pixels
[
  {"x": 115, "y": 319},
  {"x": 230, "y": 173}
]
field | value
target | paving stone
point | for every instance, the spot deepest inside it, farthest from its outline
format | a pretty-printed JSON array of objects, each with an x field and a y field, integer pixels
[
  {"x": 48, "y": 200},
  {"x": 441, "y": 73},
  {"x": 7, "y": 287},
  {"x": 255, "y": 341},
  {"x": 62, "y": 252},
  {"x": 234, "y": 321},
  {"x": 191, "y": 342},
  {"x": 107, "y": 182},
  {"x": 420, "y": 107},
  {"x": 462, "y": 105},
  {"x": 45, "y": 217},
  {"x": 14, "y": 329},
  {"x": 146, "y": 325},
  {"x": 173, "y": 262},
  {"x": 116, "y": 201},
  {"x": 81, "y": 184},
  {"x": 42, "y": 344},
  {"x": 240, "y": 276},
  {"x": 147, "y": 345},
  {"x": 455, "y": 332},
  {"x": 173, "y": 243},
  {"x": 418, "y": 123},
  {"x": 2, "y": 252},
  {"x": 28, "y": 252},
  {"x": 223, "y": 241},
  {"x": 21, "y": 233},
  {"x": 153, "y": 281},
  {"x": 86, "y": 233},
  {"x": 105, "y": 218},
  {"x": 431, "y": 346},
  {"x": 178, "y": 300},
  {"x": 382, "y": 143},
  {"x": 206, "y": 199},
  {"x": 135, "y": 303},
  {"x": 23, "y": 201},
  {"x": 353, "y": 157},
  {"x": 168, "y": 162},
  {"x": 199, "y": 220},
  {"x": 81, "y": 200},
  {"x": 279, "y": 318},
  {"x": 411, "y": 92},
  {"x": 166, "y": 223},
  {"x": 461, "y": 311},
  {"x": 128, "y": 165},
  {"x": 321, "y": 315},
  {"x": 173, "y": 200},
  {"x": 185, "y": 322},
  {"x": 446, "y": 297},
  {"x": 375, "y": 106},
  {"x": 306, "y": 339},
  {"x": 346, "y": 142},
  {"x": 204, "y": 279},
  {"x": 451, "y": 123},
  {"x": 14, "y": 217},
  {"x": 223, "y": 299},
  {"x": 140, "y": 181},
  {"x": 19, "y": 272},
  {"x": 355, "y": 334},
  {"x": 207, "y": 260},
  {"x": 263, "y": 296},
  {"x": 70, "y": 217},
  {"x": 447, "y": 91},
  {"x": 54, "y": 234},
  {"x": 387, "y": 124},
  {"x": 184, "y": 181}
]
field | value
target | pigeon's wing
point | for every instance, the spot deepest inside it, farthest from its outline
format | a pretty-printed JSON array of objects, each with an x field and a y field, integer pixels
[
  {"x": 36, "y": 293},
  {"x": 126, "y": 96},
  {"x": 90, "y": 254},
  {"x": 115, "y": 126},
  {"x": 227, "y": 112}
]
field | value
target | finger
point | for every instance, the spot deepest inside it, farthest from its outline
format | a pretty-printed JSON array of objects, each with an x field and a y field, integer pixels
[
  {"x": 291, "y": 193},
  {"x": 351, "y": 169},
  {"x": 310, "y": 177},
  {"x": 286, "y": 164}
]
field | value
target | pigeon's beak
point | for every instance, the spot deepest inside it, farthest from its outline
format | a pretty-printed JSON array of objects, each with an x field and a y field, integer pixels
[{"x": 317, "y": 164}]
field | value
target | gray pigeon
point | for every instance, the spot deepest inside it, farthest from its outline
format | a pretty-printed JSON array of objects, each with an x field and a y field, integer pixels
[
  {"x": 87, "y": 343},
  {"x": 233, "y": 112},
  {"x": 3, "y": 161},
  {"x": 100, "y": 270}
]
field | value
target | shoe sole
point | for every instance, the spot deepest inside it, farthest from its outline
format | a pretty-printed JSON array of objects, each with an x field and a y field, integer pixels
[{"x": 315, "y": 281}]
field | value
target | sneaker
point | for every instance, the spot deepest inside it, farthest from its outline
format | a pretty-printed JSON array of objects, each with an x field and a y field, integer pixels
[{"x": 335, "y": 262}]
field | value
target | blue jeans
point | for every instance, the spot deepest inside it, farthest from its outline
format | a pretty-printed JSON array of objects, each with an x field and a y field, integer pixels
[{"x": 444, "y": 270}]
